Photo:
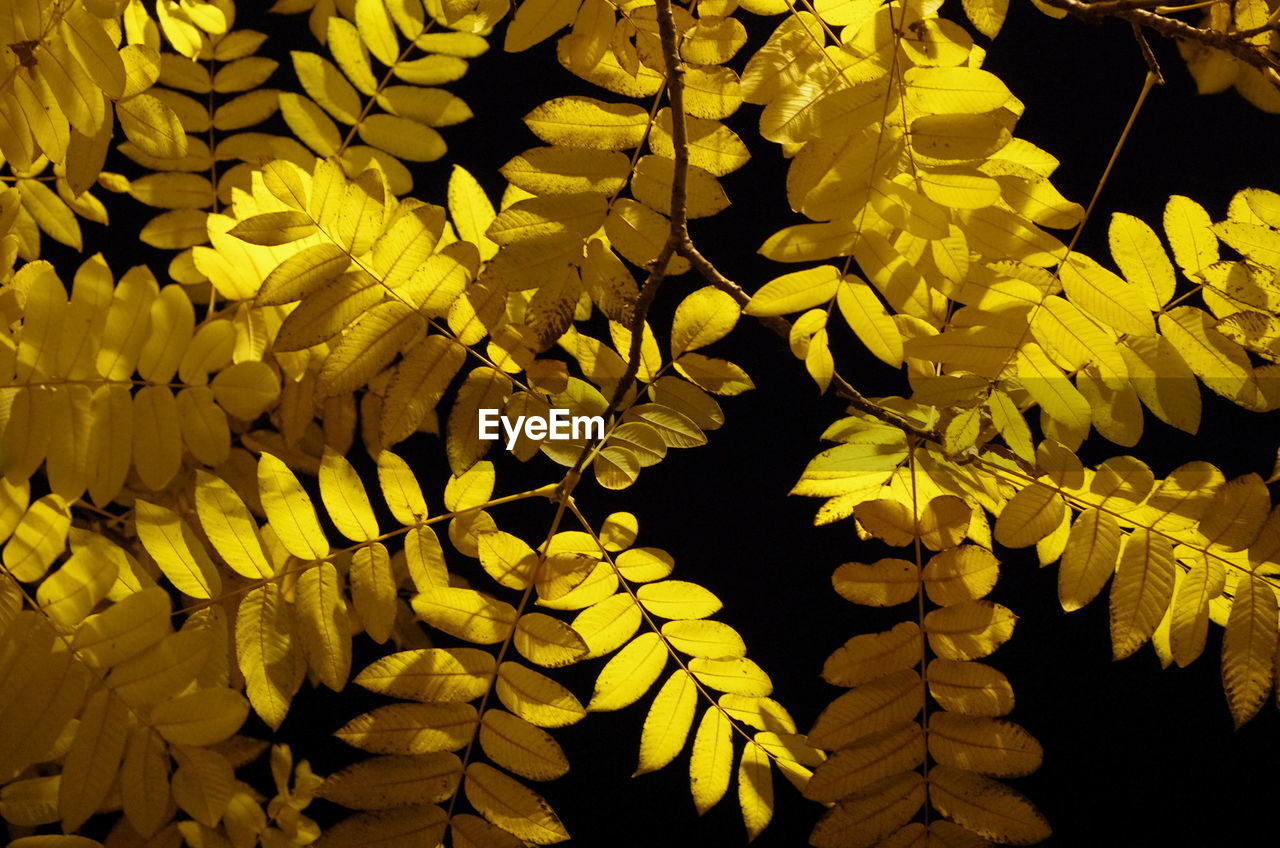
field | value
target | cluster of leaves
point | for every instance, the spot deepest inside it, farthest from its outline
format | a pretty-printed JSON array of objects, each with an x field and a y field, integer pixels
[{"x": 166, "y": 570}]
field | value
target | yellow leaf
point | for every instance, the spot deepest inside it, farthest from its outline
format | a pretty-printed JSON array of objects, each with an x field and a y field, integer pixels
[
  {"x": 1249, "y": 647},
  {"x": 968, "y": 630},
  {"x": 629, "y": 674},
  {"x": 969, "y": 688},
  {"x": 515, "y": 744},
  {"x": 735, "y": 675},
  {"x": 984, "y": 745},
  {"x": 507, "y": 559},
  {"x": 394, "y": 781},
  {"x": 703, "y": 317},
  {"x": 438, "y": 675},
  {"x": 853, "y": 770},
  {"x": 177, "y": 551},
  {"x": 605, "y": 625},
  {"x": 289, "y": 510},
  {"x": 871, "y": 655},
  {"x": 144, "y": 781},
  {"x": 537, "y": 20},
  {"x": 1089, "y": 559},
  {"x": 323, "y": 624},
  {"x": 795, "y": 292},
  {"x": 948, "y": 91},
  {"x": 345, "y": 498},
  {"x": 397, "y": 827},
  {"x": 536, "y": 698},
  {"x": 1141, "y": 591},
  {"x": 231, "y": 529},
  {"x": 711, "y": 761},
  {"x": 471, "y": 211},
  {"x": 1029, "y": 516},
  {"x": 1190, "y": 233},
  {"x": 986, "y": 807},
  {"x": 652, "y": 181},
  {"x": 149, "y": 123},
  {"x": 874, "y": 814},
  {"x": 1189, "y": 619},
  {"x": 512, "y": 806},
  {"x": 873, "y": 707},
  {"x": 466, "y": 614},
  {"x": 94, "y": 757},
  {"x": 1137, "y": 251},
  {"x": 1219, "y": 363},
  {"x": 400, "y": 489},
  {"x": 264, "y": 650},
  {"x": 677, "y": 599},
  {"x": 124, "y": 629},
  {"x": 703, "y": 638},
  {"x": 755, "y": 789},
  {"x": 402, "y": 138},
  {"x": 869, "y": 320},
  {"x": 884, "y": 583},
  {"x": 577, "y": 121},
  {"x": 411, "y": 728},
  {"x": 327, "y": 86},
  {"x": 200, "y": 717},
  {"x": 547, "y": 641}
]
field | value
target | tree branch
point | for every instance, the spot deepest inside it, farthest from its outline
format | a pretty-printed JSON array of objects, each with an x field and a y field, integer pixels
[{"x": 1235, "y": 43}]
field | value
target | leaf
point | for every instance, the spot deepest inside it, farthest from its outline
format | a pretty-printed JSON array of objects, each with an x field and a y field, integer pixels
[
  {"x": 578, "y": 121},
  {"x": 869, "y": 320},
  {"x": 702, "y": 638},
  {"x": 264, "y": 650},
  {"x": 153, "y": 126},
  {"x": 1236, "y": 514},
  {"x": 962, "y": 573},
  {"x": 200, "y": 717},
  {"x": 755, "y": 789},
  {"x": 868, "y": 817},
  {"x": 324, "y": 625},
  {"x": 380, "y": 783},
  {"x": 547, "y": 641},
  {"x": 1137, "y": 251},
  {"x": 859, "y": 767},
  {"x": 515, "y": 744},
  {"x": 439, "y": 675},
  {"x": 969, "y": 688},
  {"x": 990, "y": 809},
  {"x": 984, "y": 745},
  {"x": 471, "y": 211},
  {"x": 411, "y": 728},
  {"x": 289, "y": 509},
  {"x": 871, "y": 655},
  {"x": 629, "y": 674},
  {"x": 230, "y": 528},
  {"x": 884, "y": 583},
  {"x": 1190, "y": 234},
  {"x": 711, "y": 760},
  {"x": 736, "y": 675},
  {"x": 1089, "y": 559},
  {"x": 402, "y": 138},
  {"x": 1249, "y": 647},
  {"x": 144, "y": 781},
  {"x": 1029, "y": 516},
  {"x": 703, "y": 317},
  {"x": 345, "y": 499},
  {"x": 536, "y": 21},
  {"x": 948, "y": 91},
  {"x": 400, "y": 489},
  {"x": 368, "y": 346},
  {"x": 987, "y": 16},
  {"x": 274, "y": 228},
  {"x": 466, "y": 614},
  {"x": 536, "y": 698},
  {"x": 795, "y": 292},
  {"x": 512, "y": 806},
  {"x": 871, "y": 708},
  {"x": 177, "y": 551},
  {"x": 667, "y": 725},
  {"x": 1141, "y": 591},
  {"x": 94, "y": 757},
  {"x": 398, "y": 827},
  {"x": 677, "y": 599},
  {"x": 968, "y": 630}
]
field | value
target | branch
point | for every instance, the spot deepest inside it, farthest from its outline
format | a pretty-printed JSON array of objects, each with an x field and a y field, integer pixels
[{"x": 1235, "y": 43}]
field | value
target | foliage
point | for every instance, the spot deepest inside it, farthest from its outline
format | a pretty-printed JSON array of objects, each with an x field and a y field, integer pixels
[{"x": 188, "y": 452}]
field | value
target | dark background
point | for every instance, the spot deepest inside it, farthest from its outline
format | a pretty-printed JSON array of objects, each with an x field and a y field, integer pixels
[{"x": 1134, "y": 755}]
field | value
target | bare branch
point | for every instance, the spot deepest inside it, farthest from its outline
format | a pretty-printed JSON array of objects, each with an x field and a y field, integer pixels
[{"x": 1235, "y": 43}]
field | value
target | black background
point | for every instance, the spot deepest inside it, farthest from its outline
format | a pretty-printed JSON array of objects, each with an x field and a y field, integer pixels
[{"x": 1134, "y": 755}]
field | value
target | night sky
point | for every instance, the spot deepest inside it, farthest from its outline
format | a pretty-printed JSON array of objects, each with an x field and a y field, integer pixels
[{"x": 1134, "y": 755}]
